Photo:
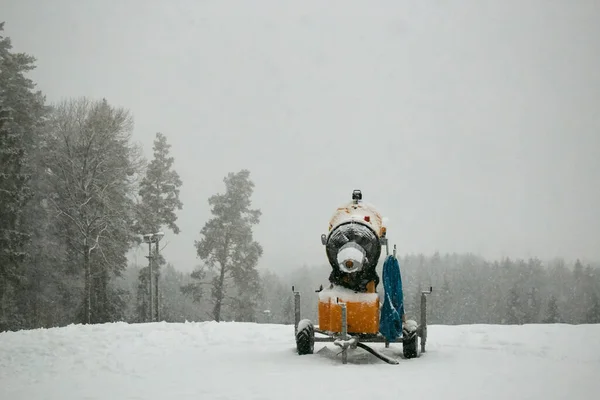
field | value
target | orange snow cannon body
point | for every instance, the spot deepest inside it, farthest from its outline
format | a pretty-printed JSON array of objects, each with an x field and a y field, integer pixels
[{"x": 353, "y": 248}]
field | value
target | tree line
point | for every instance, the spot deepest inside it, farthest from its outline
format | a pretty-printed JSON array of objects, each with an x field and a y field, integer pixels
[
  {"x": 467, "y": 289},
  {"x": 77, "y": 194}
]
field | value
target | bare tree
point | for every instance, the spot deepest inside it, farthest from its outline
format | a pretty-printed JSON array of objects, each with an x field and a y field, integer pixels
[{"x": 92, "y": 167}]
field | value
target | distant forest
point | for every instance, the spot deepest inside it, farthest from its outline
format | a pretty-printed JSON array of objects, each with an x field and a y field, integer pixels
[
  {"x": 76, "y": 195},
  {"x": 466, "y": 290}
]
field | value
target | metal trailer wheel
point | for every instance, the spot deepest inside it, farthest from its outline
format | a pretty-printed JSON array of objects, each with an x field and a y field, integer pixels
[
  {"x": 410, "y": 346},
  {"x": 305, "y": 337}
]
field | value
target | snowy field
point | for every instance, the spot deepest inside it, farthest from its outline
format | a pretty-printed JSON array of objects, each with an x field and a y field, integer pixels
[{"x": 203, "y": 361}]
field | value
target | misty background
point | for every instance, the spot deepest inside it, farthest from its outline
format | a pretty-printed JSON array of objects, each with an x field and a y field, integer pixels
[{"x": 474, "y": 127}]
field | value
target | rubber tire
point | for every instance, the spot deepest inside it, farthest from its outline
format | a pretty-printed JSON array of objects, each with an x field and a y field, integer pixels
[
  {"x": 305, "y": 339},
  {"x": 410, "y": 347}
]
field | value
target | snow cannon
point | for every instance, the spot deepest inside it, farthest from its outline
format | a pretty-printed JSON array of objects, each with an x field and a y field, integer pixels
[
  {"x": 350, "y": 310},
  {"x": 353, "y": 247}
]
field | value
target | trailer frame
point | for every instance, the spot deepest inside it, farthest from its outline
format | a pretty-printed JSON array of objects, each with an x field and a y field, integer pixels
[{"x": 344, "y": 340}]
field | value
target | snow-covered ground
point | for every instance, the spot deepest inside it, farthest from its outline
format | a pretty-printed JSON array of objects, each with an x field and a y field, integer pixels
[{"x": 203, "y": 361}]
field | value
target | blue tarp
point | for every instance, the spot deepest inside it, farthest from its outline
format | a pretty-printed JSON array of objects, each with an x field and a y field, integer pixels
[{"x": 392, "y": 310}]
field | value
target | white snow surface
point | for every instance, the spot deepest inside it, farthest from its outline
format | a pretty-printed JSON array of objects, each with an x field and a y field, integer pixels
[
  {"x": 345, "y": 294},
  {"x": 303, "y": 324},
  {"x": 228, "y": 360}
]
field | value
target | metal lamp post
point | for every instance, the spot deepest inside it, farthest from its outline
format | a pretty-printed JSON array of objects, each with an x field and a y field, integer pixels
[{"x": 153, "y": 301}]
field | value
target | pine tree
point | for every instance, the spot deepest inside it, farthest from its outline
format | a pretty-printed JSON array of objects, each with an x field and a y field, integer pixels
[
  {"x": 287, "y": 309},
  {"x": 576, "y": 301},
  {"x": 514, "y": 309},
  {"x": 21, "y": 110},
  {"x": 228, "y": 248},
  {"x": 552, "y": 313},
  {"x": 159, "y": 191},
  {"x": 532, "y": 309},
  {"x": 277, "y": 298},
  {"x": 194, "y": 288},
  {"x": 174, "y": 302},
  {"x": 593, "y": 313},
  {"x": 444, "y": 302},
  {"x": 13, "y": 191},
  {"x": 415, "y": 307}
]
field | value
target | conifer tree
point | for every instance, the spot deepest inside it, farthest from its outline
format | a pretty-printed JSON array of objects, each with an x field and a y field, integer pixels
[
  {"x": 514, "y": 307},
  {"x": 13, "y": 193},
  {"x": 593, "y": 313},
  {"x": 552, "y": 313},
  {"x": 159, "y": 192},
  {"x": 227, "y": 247},
  {"x": 21, "y": 111}
]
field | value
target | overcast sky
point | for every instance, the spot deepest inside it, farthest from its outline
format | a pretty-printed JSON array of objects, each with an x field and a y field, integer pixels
[{"x": 472, "y": 126}]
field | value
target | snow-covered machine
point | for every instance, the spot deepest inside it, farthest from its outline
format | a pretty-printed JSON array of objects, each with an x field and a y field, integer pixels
[{"x": 350, "y": 310}]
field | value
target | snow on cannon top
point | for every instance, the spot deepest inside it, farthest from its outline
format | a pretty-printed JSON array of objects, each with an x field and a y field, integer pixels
[
  {"x": 359, "y": 212},
  {"x": 353, "y": 244}
]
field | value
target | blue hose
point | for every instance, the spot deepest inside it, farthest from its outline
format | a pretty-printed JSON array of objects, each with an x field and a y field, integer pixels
[{"x": 390, "y": 322}]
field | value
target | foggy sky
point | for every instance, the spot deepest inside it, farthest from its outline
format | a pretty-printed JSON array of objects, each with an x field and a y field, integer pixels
[{"x": 472, "y": 126}]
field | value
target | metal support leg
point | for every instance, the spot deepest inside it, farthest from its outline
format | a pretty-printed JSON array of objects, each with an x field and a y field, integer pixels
[
  {"x": 424, "y": 318},
  {"x": 344, "y": 333},
  {"x": 297, "y": 315}
]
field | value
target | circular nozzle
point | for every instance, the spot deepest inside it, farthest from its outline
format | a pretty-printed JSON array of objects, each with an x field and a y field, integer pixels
[{"x": 351, "y": 257}]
